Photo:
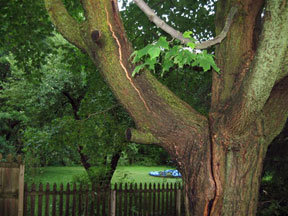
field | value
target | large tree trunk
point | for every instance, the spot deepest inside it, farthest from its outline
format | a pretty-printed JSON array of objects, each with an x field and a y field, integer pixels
[
  {"x": 237, "y": 165},
  {"x": 220, "y": 156}
]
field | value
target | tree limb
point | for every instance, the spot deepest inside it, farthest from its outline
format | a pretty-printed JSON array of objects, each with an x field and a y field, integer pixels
[
  {"x": 275, "y": 110},
  {"x": 284, "y": 67},
  {"x": 260, "y": 80},
  {"x": 65, "y": 24},
  {"x": 141, "y": 137},
  {"x": 178, "y": 35}
]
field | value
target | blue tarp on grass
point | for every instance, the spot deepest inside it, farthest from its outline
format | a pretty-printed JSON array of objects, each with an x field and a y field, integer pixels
[{"x": 166, "y": 173}]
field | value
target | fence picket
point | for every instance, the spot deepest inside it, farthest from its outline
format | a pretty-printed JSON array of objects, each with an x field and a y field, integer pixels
[
  {"x": 40, "y": 199},
  {"x": 33, "y": 189},
  {"x": 150, "y": 203},
  {"x": 98, "y": 195},
  {"x": 178, "y": 201},
  {"x": 126, "y": 192},
  {"x": 80, "y": 201},
  {"x": 145, "y": 199},
  {"x": 140, "y": 200},
  {"x": 61, "y": 200},
  {"x": 86, "y": 200},
  {"x": 25, "y": 199},
  {"x": 167, "y": 199},
  {"x": 54, "y": 199},
  {"x": 47, "y": 191},
  {"x": 175, "y": 198},
  {"x": 92, "y": 199},
  {"x": 67, "y": 200},
  {"x": 113, "y": 203},
  {"x": 131, "y": 196},
  {"x": 120, "y": 200},
  {"x": 154, "y": 198},
  {"x": 105, "y": 194},
  {"x": 74, "y": 200},
  {"x": 163, "y": 198}
]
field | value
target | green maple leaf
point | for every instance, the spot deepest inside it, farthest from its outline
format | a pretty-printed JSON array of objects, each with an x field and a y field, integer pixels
[
  {"x": 140, "y": 53},
  {"x": 187, "y": 34},
  {"x": 167, "y": 64},
  {"x": 151, "y": 63},
  {"x": 137, "y": 69},
  {"x": 154, "y": 52},
  {"x": 162, "y": 42}
]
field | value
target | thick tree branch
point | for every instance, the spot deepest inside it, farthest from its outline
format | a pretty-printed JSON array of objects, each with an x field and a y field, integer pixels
[
  {"x": 261, "y": 78},
  {"x": 65, "y": 24},
  {"x": 140, "y": 137},
  {"x": 284, "y": 67},
  {"x": 178, "y": 35},
  {"x": 112, "y": 58},
  {"x": 276, "y": 110}
]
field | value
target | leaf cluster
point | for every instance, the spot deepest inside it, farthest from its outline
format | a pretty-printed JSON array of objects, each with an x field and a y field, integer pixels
[{"x": 167, "y": 55}]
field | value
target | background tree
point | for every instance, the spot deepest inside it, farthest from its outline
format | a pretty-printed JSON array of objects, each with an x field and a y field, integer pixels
[
  {"x": 47, "y": 106},
  {"x": 220, "y": 155}
]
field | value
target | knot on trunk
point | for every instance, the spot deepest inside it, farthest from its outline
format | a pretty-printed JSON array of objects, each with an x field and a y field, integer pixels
[{"x": 95, "y": 36}]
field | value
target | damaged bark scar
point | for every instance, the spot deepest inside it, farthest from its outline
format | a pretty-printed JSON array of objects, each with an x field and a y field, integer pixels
[
  {"x": 117, "y": 19},
  {"x": 121, "y": 60},
  {"x": 210, "y": 205}
]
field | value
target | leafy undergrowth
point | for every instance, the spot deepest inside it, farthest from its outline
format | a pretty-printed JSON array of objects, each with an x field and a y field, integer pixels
[{"x": 273, "y": 199}]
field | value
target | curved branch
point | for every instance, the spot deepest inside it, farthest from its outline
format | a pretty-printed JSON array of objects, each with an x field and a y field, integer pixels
[
  {"x": 178, "y": 35},
  {"x": 65, "y": 24}
]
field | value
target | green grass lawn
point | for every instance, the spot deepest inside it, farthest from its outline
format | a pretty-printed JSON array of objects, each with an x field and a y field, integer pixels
[
  {"x": 53, "y": 175},
  {"x": 139, "y": 174},
  {"x": 123, "y": 174}
]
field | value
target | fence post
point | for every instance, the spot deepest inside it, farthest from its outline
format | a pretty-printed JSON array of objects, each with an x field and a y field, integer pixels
[
  {"x": 178, "y": 202},
  {"x": 9, "y": 185},
  {"x": 21, "y": 190},
  {"x": 113, "y": 203}
]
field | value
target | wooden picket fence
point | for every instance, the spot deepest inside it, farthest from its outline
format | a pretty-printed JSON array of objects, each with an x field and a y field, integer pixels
[{"x": 119, "y": 200}]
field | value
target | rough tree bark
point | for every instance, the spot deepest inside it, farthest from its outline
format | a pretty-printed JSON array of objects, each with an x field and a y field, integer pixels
[{"x": 219, "y": 156}]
